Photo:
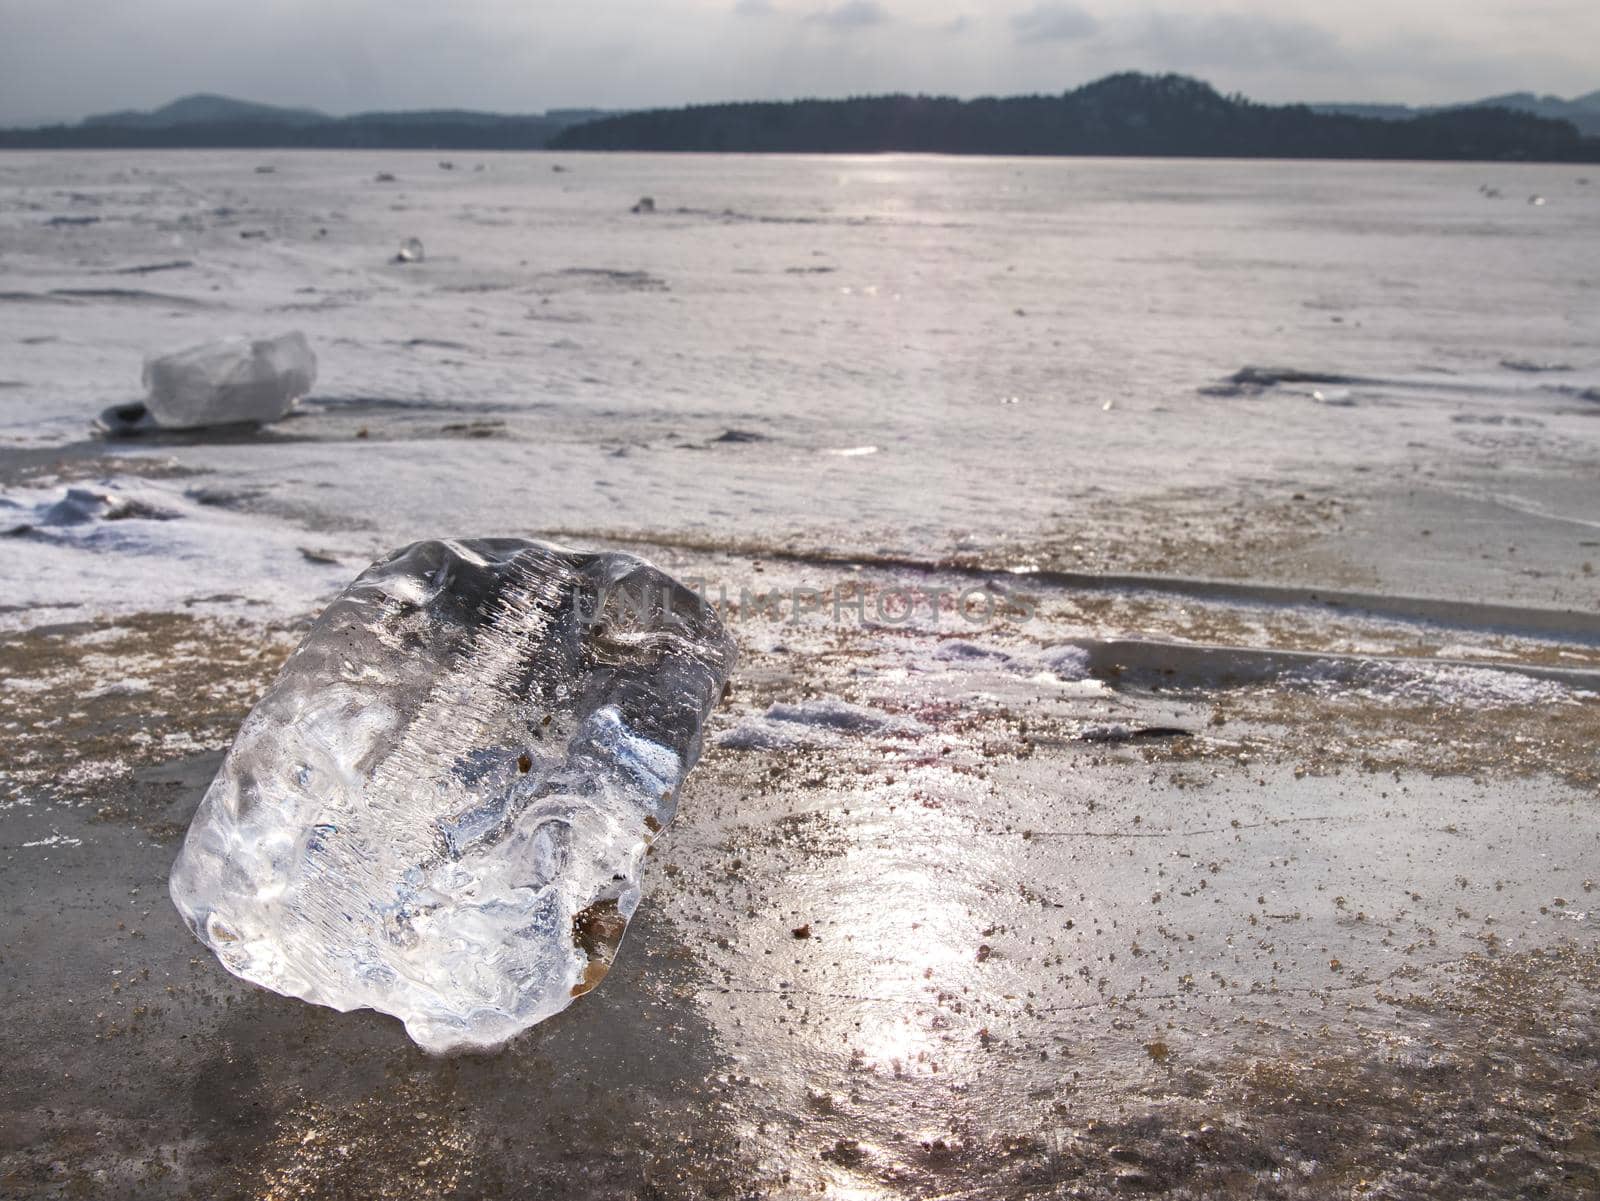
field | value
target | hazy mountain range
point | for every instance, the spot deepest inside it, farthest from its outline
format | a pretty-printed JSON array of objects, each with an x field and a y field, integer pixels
[
  {"x": 1128, "y": 113},
  {"x": 221, "y": 121},
  {"x": 1582, "y": 111}
]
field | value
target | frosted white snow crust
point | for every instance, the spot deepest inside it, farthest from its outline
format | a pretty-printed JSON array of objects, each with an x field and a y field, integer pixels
[{"x": 441, "y": 808}]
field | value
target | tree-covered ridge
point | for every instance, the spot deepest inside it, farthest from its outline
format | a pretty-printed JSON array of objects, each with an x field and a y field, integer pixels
[
  {"x": 1127, "y": 114},
  {"x": 216, "y": 122}
]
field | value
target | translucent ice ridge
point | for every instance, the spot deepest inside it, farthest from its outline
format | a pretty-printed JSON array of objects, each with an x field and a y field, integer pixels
[{"x": 441, "y": 808}]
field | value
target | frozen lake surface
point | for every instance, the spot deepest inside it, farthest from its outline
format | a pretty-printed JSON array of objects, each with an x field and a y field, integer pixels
[
  {"x": 1141, "y": 773},
  {"x": 919, "y": 355}
]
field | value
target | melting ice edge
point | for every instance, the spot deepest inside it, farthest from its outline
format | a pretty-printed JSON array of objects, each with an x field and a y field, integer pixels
[{"x": 441, "y": 807}]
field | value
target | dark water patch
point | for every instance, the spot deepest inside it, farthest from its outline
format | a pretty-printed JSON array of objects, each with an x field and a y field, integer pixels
[
  {"x": 729, "y": 216},
  {"x": 1196, "y": 665},
  {"x": 1256, "y": 381},
  {"x": 1572, "y": 625},
  {"x": 474, "y": 429},
  {"x": 151, "y": 268},
  {"x": 740, "y": 436},
  {"x": 113, "y": 295},
  {"x": 1497, "y": 419},
  {"x": 559, "y": 318},
  {"x": 606, "y": 277},
  {"x": 132, "y": 420},
  {"x": 32, "y": 298},
  {"x": 65, "y": 222},
  {"x": 224, "y": 498},
  {"x": 87, "y": 459},
  {"x": 1533, "y": 365},
  {"x": 1122, "y": 733},
  {"x": 1253, "y": 381},
  {"x": 1589, "y": 394},
  {"x": 402, "y": 406}
]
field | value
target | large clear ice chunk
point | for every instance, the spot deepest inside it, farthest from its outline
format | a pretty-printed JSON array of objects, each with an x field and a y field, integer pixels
[
  {"x": 442, "y": 806},
  {"x": 230, "y": 382}
]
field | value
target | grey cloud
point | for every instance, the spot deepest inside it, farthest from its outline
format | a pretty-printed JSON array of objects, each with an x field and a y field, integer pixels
[
  {"x": 754, "y": 8},
  {"x": 1054, "y": 23},
  {"x": 1232, "y": 40},
  {"x": 853, "y": 14}
]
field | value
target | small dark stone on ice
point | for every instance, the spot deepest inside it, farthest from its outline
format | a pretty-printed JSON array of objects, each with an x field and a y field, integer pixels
[
  {"x": 802, "y": 931},
  {"x": 844, "y": 1152},
  {"x": 739, "y": 436},
  {"x": 126, "y": 420}
]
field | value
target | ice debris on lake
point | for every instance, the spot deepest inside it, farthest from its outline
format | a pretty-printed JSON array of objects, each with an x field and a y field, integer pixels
[
  {"x": 822, "y": 721},
  {"x": 441, "y": 808},
  {"x": 410, "y": 251},
  {"x": 229, "y": 382},
  {"x": 78, "y": 507}
]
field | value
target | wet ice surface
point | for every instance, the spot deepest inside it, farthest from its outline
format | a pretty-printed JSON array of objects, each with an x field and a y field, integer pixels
[
  {"x": 441, "y": 808},
  {"x": 1311, "y": 944},
  {"x": 1334, "y": 939},
  {"x": 1341, "y": 932}
]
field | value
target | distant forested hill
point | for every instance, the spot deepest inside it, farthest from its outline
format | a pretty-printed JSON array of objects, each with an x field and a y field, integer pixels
[
  {"x": 1582, "y": 111},
  {"x": 218, "y": 122},
  {"x": 1128, "y": 114}
]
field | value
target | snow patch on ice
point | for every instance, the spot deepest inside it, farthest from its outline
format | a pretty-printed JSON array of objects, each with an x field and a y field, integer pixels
[
  {"x": 55, "y": 840},
  {"x": 958, "y": 650},
  {"x": 759, "y": 734},
  {"x": 1435, "y": 683},
  {"x": 821, "y": 722},
  {"x": 834, "y": 714},
  {"x": 1070, "y": 663}
]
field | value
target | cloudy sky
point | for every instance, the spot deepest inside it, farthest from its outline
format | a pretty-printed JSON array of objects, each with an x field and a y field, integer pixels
[{"x": 62, "y": 59}]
